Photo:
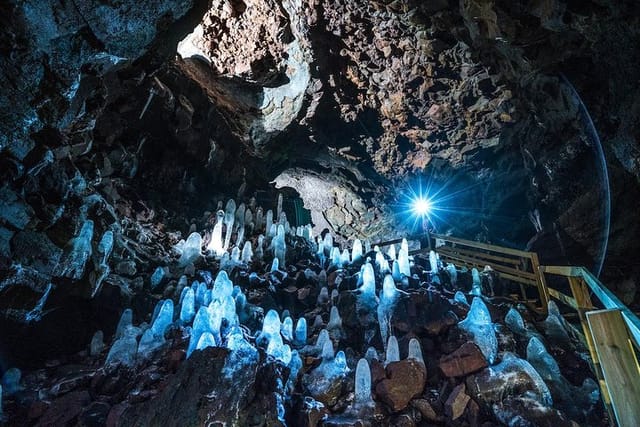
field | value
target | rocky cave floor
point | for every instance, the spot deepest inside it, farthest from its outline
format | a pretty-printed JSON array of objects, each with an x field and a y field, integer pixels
[{"x": 249, "y": 377}]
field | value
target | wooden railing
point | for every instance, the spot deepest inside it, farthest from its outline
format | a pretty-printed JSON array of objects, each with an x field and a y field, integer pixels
[
  {"x": 613, "y": 338},
  {"x": 512, "y": 264},
  {"x": 612, "y": 332}
]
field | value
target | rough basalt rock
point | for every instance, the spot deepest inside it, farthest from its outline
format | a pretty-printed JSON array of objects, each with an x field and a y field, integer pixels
[
  {"x": 404, "y": 381},
  {"x": 465, "y": 360}
]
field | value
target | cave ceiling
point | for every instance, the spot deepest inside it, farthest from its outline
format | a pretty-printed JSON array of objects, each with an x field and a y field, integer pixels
[{"x": 122, "y": 110}]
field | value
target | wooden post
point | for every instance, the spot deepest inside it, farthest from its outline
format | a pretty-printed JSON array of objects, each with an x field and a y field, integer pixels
[
  {"x": 620, "y": 368},
  {"x": 581, "y": 295},
  {"x": 542, "y": 283}
]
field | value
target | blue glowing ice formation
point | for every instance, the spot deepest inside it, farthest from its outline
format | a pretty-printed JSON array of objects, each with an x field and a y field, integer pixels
[
  {"x": 222, "y": 287},
  {"x": 78, "y": 252},
  {"x": 478, "y": 325},
  {"x": 363, "y": 384},
  {"x": 393, "y": 351},
  {"x": 206, "y": 340},
  {"x": 453, "y": 274},
  {"x": 11, "y": 381},
  {"x": 187, "y": 308},
  {"x": 157, "y": 277},
  {"x": 356, "y": 251},
  {"x": 123, "y": 351},
  {"x": 301, "y": 332},
  {"x": 368, "y": 287},
  {"x": 125, "y": 321},
  {"x": 191, "y": 249}
]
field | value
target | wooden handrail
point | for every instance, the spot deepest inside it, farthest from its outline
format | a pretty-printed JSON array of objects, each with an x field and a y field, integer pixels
[{"x": 606, "y": 297}]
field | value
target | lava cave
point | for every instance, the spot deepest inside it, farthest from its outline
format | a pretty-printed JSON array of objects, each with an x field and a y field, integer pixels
[{"x": 319, "y": 213}]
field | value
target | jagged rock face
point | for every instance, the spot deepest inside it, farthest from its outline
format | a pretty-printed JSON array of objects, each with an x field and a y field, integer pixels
[{"x": 252, "y": 60}]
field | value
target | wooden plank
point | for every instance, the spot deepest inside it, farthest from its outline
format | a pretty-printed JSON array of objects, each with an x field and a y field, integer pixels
[
  {"x": 542, "y": 283},
  {"x": 486, "y": 246},
  {"x": 518, "y": 279},
  {"x": 620, "y": 367},
  {"x": 501, "y": 268},
  {"x": 481, "y": 255},
  {"x": 563, "y": 298}
]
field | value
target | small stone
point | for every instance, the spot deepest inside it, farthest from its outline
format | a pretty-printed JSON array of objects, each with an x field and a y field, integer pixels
[
  {"x": 66, "y": 408},
  {"x": 427, "y": 411},
  {"x": 465, "y": 360},
  {"x": 404, "y": 381},
  {"x": 126, "y": 268},
  {"x": 457, "y": 402}
]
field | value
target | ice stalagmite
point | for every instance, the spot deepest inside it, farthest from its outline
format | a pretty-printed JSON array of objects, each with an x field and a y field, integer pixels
[
  {"x": 433, "y": 262},
  {"x": 301, "y": 332},
  {"x": 247, "y": 253},
  {"x": 542, "y": 361},
  {"x": 269, "y": 224},
  {"x": 514, "y": 321},
  {"x": 335, "y": 322},
  {"x": 363, "y": 384},
  {"x": 187, "y": 308},
  {"x": 201, "y": 324},
  {"x": 222, "y": 286},
  {"x": 206, "y": 340},
  {"x": 461, "y": 298},
  {"x": 275, "y": 265},
  {"x": 368, "y": 287},
  {"x": 478, "y": 325},
  {"x": 336, "y": 258},
  {"x": 286, "y": 329},
  {"x": 78, "y": 251},
  {"x": 278, "y": 349},
  {"x": 279, "y": 246},
  {"x": 157, "y": 277},
  {"x": 415, "y": 351},
  {"x": 392, "y": 252},
  {"x": 345, "y": 258},
  {"x": 279, "y": 206},
  {"x": 328, "y": 243},
  {"x": 356, "y": 251},
  {"x": 476, "y": 287},
  {"x": 388, "y": 299},
  {"x": 403, "y": 262},
  {"x": 395, "y": 271},
  {"x": 259, "y": 221},
  {"x": 164, "y": 319},
  {"x": 271, "y": 323},
  {"x": 229, "y": 218},
  {"x": 191, "y": 249},
  {"x": 453, "y": 274},
  {"x": 239, "y": 216},
  {"x": 215, "y": 244},
  {"x": 382, "y": 263},
  {"x": 123, "y": 351},
  {"x": 97, "y": 344},
  {"x": 393, "y": 351},
  {"x": 124, "y": 322}
]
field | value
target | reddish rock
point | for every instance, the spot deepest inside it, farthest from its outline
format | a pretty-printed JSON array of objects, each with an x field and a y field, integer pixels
[
  {"x": 65, "y": 409},
  {"x": 115, "y": 414},
  {"x": 426, "y": 410},
  {"x": 457, "y": 402},
  {"x": 465, "y": 360},
  {"x": 37, "y": 408},
  {"x": 404, "y": 381}
]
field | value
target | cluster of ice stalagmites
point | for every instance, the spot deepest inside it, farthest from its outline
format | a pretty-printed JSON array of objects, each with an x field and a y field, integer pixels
[{"x": 317, "y": 345}]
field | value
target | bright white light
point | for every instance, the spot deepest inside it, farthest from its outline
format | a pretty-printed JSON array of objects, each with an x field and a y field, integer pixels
[{"x": 421, "y": 206}]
